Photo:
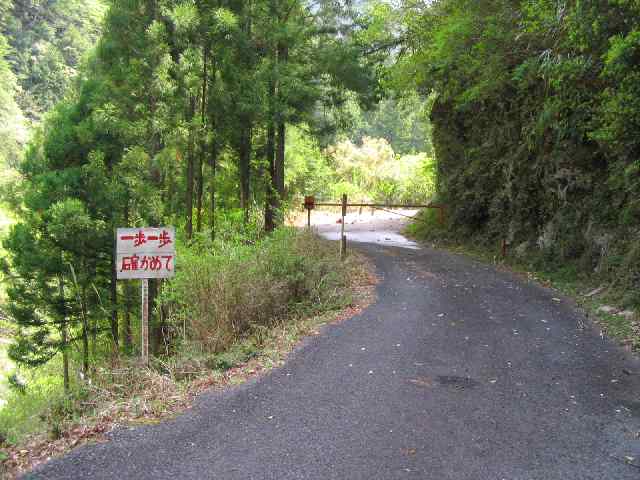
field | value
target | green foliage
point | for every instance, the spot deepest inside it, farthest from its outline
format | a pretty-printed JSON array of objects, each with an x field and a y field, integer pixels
[
  {"x": 372, "y": 171},
  {"x": 233, "y": 356},
  {"x": 369, "y": 171},
  {"x": 12, "y": 129},
  {"x": 403, "y": 121},
  {"x": 535, "y": 129},
  {"x": 307, "y": 168},
  {"x": 222, "y": 295},
  {"x": 47, "y": 42},
  {"x": 39, "y": 406},
  {"x": 535, "y": 122},
  {"x": 126, "y": 391},
  {"x": 183, "y": 113},
  {"x": 427, "y": 225}
]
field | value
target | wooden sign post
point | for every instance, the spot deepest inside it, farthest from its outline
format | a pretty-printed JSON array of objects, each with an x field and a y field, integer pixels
[
  {"x": 144, "y": 253},
  {"x": 144, "y": 326}
]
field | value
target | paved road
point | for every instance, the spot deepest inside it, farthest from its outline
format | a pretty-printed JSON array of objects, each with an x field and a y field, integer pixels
[{"x": 457, "y": 372}]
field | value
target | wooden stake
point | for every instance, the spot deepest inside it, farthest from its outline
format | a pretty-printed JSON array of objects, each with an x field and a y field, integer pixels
[
  {"x": 144, "y": 337},
  {"x": 343, "y": 238}
]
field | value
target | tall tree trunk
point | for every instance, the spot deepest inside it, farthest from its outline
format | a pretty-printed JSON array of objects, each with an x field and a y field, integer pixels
[
  {"x": 64, "y": 334},
  {"x": 276, "y": 187},
  {"x": 154, "y": 322},
  {"x": 113, "y": 286},
  {"x": 213, "y": 160},
  {"x": 246, "y": 129},
  {"x": 279, "y": 164},
  {"x": 128, "y": 337},
  {"x": 93, "y": 326},
  {"x": 203, "y": 140},
  {"x": 283, "y": 56},
  {"x": 189, "y": 177},
  {"x": 199, "y": 191},
  {"x": 271, "y": 203},
  {"x": 127, "y": 294},
  {"x": 85, "y": 337},
  {"x": 214, "y": 149},
  {"x": 245, "y": 168},
  {"x": 80, "y": 298}
]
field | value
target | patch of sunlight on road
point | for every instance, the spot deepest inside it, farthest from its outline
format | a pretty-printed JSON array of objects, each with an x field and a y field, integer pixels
[
  {"x": 379, "y": 237},
  {"x": 379, "y": 227}
]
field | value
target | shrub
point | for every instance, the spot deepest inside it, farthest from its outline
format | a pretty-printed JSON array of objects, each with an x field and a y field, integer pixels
[{"x": 219, "y": 296}]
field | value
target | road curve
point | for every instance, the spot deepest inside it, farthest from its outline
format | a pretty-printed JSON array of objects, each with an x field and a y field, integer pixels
[{"x": 457, "y": 372}]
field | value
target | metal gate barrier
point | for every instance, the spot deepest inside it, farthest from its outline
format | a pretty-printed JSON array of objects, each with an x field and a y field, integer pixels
[{"x": 310, "y": 204}]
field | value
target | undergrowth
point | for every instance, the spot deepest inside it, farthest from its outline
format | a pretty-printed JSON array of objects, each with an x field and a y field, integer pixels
[{"x": 217, "y": 298}]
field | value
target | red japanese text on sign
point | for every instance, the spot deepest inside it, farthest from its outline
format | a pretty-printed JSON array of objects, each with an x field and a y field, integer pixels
[
  {"x": 140, "y": 238},
  {"x": 145, "y": 252},
  {"x": 146, "y": 263}
]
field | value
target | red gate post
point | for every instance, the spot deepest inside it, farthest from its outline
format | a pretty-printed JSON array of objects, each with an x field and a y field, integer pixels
[{"x": 309, "y": 204}]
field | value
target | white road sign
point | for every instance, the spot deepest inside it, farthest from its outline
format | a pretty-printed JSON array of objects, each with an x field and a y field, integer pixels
[{"x": 145, "y": 252}]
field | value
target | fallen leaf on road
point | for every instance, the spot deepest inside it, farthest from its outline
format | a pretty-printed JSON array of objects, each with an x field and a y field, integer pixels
[{"x": 422, "y": 382}]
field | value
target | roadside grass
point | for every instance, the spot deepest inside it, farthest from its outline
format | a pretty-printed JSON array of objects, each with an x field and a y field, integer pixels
[
  {"x": 231, "y": 315},
  {"x": 568, "y": 278},
  {"x": 221, "y": 295},
  {"x": 30, "y": 411}
]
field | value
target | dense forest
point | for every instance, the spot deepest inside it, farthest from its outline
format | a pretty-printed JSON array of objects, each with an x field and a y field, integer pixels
[
  {"x": 178, "y": 116},
  {"x": 521, "y": 117},
  {"x": 536, "y": 126},
  {"x": 42, "y": 45},
  {"x": 215, "y": 117}
]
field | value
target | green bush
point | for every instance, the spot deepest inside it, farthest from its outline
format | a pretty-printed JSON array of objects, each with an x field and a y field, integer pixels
[
  {"x": 221, "y": 295},
  {"x": 427, "y": 225},
  {"x": 41, "y": 405}
]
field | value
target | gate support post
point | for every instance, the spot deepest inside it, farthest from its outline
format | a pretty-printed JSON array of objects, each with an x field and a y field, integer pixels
[
  {"x": 343, "y": 238},
  {"x": 309, "y": 204}
]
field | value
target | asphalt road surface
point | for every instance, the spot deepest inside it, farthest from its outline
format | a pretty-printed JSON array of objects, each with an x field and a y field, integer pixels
[{"x": 457, "y": 372}]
